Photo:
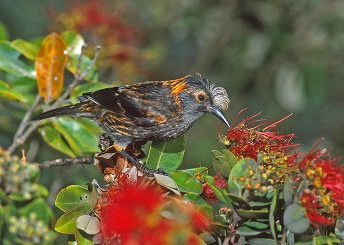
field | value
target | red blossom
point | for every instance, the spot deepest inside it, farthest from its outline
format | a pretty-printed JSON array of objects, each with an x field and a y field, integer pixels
[
  {"x": 95, "y": 15},
  {"x": 309, "y": 201},
  {"x": 208, "y": 193},
  {"x": 323, "y": 197},
  {"x": 268, "y": 147},
  {"x": 126, "y": 211},
  {"x": 132, "y": 215},
  {"x": 100, "y": 25},
  {"x": 246, "y": 141}
]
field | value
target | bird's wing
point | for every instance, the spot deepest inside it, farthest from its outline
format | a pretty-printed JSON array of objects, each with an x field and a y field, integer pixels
[
  {"x": 106, "y": 98},
  {"x": 144, "y": 103}
]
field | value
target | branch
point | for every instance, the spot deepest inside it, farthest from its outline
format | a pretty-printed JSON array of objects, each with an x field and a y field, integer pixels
[
  {"x": 63, "y": 162},
  {"x": 77, "y": 77},
  {"x": 23, "y": 125},
  {"x": 27, "y": 116},
  {"x": 17, "y": 141},
  {"x": 26, "y": 127}
]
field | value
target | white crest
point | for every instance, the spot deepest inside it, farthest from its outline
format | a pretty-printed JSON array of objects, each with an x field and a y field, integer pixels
[
  {"x": 220, "y": 97},
  {"x": 219, "y": 94}
]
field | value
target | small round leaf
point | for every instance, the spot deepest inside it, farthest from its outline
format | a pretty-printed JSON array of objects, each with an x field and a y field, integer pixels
[{"x": 295, "y": 219}]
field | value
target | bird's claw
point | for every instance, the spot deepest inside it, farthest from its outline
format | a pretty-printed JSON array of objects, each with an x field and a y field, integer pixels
[
  {"x": 161, "y": 171},
  {"x": 142, "y": 167},
  {"x": 104, "y": 142},
  {"x": 151, "y": 172}
]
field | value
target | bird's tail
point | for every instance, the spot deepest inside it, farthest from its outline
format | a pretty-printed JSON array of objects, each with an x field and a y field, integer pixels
[{"x": 62, "y": 111}]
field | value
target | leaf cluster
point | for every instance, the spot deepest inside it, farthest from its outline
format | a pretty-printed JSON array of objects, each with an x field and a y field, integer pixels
[{"x": 25, "y": 217}]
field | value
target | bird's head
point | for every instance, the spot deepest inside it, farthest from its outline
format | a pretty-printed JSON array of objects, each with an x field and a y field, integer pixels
[{"x": 197, "y": 96}]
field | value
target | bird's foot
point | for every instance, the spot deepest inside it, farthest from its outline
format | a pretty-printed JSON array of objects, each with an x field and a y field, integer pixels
[
  {"x": 104, "y": 142},
  {"x": 142, "y": 168}
]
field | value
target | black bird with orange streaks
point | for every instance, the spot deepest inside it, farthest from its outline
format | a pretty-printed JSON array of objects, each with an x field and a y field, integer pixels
[{"x": 152, "y": 110}]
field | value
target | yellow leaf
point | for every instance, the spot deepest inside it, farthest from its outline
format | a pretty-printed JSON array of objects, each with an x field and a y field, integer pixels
[{"x": 50, "y": 63}]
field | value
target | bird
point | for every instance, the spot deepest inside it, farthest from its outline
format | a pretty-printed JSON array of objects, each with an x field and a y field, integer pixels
[{"x": 148, "y": 111}]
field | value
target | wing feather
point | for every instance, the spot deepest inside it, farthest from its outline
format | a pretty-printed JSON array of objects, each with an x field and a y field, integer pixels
[{"x": 143, "y": 104}]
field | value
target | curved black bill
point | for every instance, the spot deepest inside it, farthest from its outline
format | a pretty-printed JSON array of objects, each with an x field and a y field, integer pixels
[{"x": 218, "y": 113}]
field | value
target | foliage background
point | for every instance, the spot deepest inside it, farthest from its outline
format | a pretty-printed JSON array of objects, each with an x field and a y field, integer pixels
[{"x": 277, "y": 57}]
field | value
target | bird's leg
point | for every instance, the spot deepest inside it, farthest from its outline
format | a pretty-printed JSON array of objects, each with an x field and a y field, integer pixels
[
  {"x": 142, "y": 168},
  {"x": 104, "y": 142}
]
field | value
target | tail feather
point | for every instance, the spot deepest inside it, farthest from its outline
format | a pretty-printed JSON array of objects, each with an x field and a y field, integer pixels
[{"x": 63, "y": 111}]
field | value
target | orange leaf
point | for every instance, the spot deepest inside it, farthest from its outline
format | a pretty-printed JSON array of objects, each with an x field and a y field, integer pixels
[{"x": 50, "y": 63}]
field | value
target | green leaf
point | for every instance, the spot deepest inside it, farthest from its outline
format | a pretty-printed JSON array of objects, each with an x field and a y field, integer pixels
[
  {"x": 194, "y": 198},
  {"x": 319, "y": 240},
  {"x": 167, "y": 182},
  {"x": 257, "y": 225},
  {"x": 66, "y": 224},
  {"x": 240, "y": 169},
  {"x": 71, "y": 197},
  {"x": 220, "y": 193},
  {"x": 73, "y": 242},
  {"x": 202, "y": 206},
  {"x": 3, "y": 197},
  {"x": 29, "y": 50},
  {"x": 195, "y": 171},
  {"x": 74, "y": 41},
  {"x": 54, "y": 139},
  {"x": 273, "y": 209},
  {"x": 40, "y": 207},
  {"x": 9, "y": 62},
  {"x": 208, "y": 238},
  {"x": 262, "y": 241},
  {"x": 253, "y": 214},
  {"x": 8, "y": 92},
  {"x": 295, "y": 219},
  {"x": 167, "y": 155},
  {"x": 236, "y": 199},
  {"x": 90, "y": 125},
  {"x": 78, "y": 136},
  {"x": 26, "y": 86},
  {"x": 255, "y": 204},
  {"x": 2, "y": 219},
  {"x": 247, "y": 231},
  {"x": 81, "y": 239},
  {"x": 287, "y": 192},
  {"x": 186, "y": 182},
  {"x": 3, "y": 32},
  {"x": 206, "y": 210},
  {"x": 223, "y": 162},
  {"x": 42, "y": 191}
]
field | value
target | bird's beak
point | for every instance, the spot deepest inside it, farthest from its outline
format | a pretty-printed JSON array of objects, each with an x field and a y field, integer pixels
[{"x": 218, "y": 113}]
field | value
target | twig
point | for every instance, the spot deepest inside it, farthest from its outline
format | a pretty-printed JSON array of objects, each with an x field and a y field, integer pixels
[
  {"x": 83, "y": 47},
  {"x": 284, "y": 235},
  {"x": 63, "y": 162},
  {"x": 23, "y": 125},
  {"x": 77, "y": 77},
  {"x": 26, "y": 127},
  {"x": 21, "y": 139},
  {"x": 27, "y": 116}
]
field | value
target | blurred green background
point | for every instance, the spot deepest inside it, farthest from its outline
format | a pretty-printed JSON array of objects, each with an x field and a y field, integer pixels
[{"x": 278, "y": 57}]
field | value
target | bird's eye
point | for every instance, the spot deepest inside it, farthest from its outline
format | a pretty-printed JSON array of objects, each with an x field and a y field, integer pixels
[{"x": 200, "y": 98}]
